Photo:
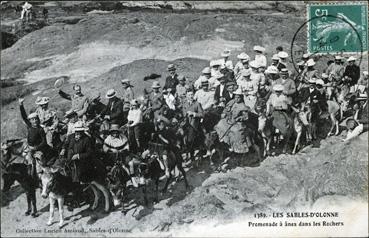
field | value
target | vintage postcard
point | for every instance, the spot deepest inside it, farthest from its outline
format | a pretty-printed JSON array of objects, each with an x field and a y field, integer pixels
[{"x": 184, "y": 119}]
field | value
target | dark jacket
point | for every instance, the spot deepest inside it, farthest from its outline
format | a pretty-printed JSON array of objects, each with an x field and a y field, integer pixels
[
  {"x": 224, "y": 95},
  {"x": 321, "y": 105},
  {"x": 353, "y": 72},
  {"x": 171, "y": 83},
  {"x": 36, "y": 137},
  {"x": 115, "y": 110},
  {"x": 83, "y": 167}
]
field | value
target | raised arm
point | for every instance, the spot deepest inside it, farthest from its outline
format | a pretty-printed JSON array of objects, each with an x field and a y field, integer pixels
[
  {"x": 23, "y": 113},
  {"x": 65, "y": 95}
]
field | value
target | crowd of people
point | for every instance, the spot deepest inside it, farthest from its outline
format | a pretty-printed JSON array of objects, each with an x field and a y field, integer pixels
[{"x": 226, "y": 100}]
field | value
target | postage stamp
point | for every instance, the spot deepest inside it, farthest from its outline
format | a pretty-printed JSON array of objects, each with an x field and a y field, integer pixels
[{"x": 337, "y": 27}]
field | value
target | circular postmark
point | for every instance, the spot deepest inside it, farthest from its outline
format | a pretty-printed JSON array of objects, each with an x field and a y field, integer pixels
[{"x": 301, "y": 40}]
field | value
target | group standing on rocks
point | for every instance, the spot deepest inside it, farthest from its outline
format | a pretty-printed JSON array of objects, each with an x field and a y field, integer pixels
[{"x": 231, "y": 110}]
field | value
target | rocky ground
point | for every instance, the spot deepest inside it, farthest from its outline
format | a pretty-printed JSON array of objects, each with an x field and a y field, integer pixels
[{"x": 98, "y": 44}]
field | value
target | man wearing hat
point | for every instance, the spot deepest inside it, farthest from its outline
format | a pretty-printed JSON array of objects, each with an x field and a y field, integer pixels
[
  {"x": 36, "y": 139},
  {"x": 288, "y": 84},
  {"x": 114, "y": 110},
  {"x": 172, "y": 80},
  {"x": 48, "y": 119},
  {"x": 308, "y": 74},
  {"x": 80, "y": 102},
  {"x": 351, "y": 74},
  {"x": 81, "y": 153},
  {"x": 227, "y": 63},
  {"x": 335, "y": 71},
  {"x": 275, "y": 60},
  {"x": 221, "y": 92},
  {"x": 116, "y": 144},
  {"x": 260, "y": 59},
  {"x": 241, "y": 65},
  {"x": 249, "y": 89},
  {"x": 156, "y": 99},
  {"x": 271, "y": 75},
  {"x": 255, "y": 75},
  {"x": 282, "y": 60},
  {"x": 205, "y": 74},
  {"x": 134, "y": 126},
  {"x": 215, "y": 67},
  {"x": 204, "y": 96},
  {"x": 127, "y": 92},
  {"x": 277, "y": 100},
  {"x": 182, "y": 88}
]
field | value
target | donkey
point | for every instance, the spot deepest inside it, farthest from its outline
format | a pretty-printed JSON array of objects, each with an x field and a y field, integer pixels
[
  {"x": 56, "y": 186},
  {"x": 18, "y": 172}
]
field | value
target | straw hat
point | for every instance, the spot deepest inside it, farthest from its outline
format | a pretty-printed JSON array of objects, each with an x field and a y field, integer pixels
[
  {"x": 306, "y": 55},
  {"x": 284, "y": 71},
  {"x": 78, "y": 126},
  {"x": 206, "y": 70},
  {"x": 243, "y": 56},
  {"x": 351, "y": 58},
  {"x": 275, "y": 57},
  {"x": 134, "y": 102},
  {"x": 215, "y": 63},
  {"x": 338, "y": 57},
  {"x": 32, "y": 115},
  {"x": 259, "y": 48},
  {"x": 171, "y": 67},
  {"x": 278, "y": 87},
  {"x": 271, "y": 70},
  {"x": 114, "y": 127},
  {"x": 155, "y": 84},
  {"x": 110, "y": 94},
  {"x": 282, "y": 55},
  {"x": 226, "y": 53},
  {"x": 42, "y": 100}
]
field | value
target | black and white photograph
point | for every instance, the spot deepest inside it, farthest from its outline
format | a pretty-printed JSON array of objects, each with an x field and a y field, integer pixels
[{"x": 184, "y": 119}]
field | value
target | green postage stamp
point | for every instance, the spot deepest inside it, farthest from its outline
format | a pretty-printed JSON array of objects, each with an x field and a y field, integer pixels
[{"x": 335, "y": 27}]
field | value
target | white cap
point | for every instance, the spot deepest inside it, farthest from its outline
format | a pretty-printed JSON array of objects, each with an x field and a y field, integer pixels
[
  {"x": 32, "y": 115},
  {"x": 306, "y": 55},
  {"x": 215, "y": 63},
  {"x": 324, "y": 76},
  {"x": 42, "y": 100},
  {"x": 365, "y": 73},
  {"x": 282, "y": 55},
  {"x": 206, "y": 70},
  {"x": 275, "y": 57},
  {"x": 226, "y": 53},
  {"x": 271, "y": 70},
  {"x": 259, "y": 48},
  {"x": 351, "y": 58},
  {"x": 243, "y": 56},
  {"x": 338, "y": 57}
]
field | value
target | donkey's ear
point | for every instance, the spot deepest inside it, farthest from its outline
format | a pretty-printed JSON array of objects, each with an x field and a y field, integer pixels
[{"x": 54, "y": 170}]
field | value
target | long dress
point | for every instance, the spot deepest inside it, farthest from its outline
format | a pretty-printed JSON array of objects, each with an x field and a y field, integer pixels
[{"x": 234, "y": 132}]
